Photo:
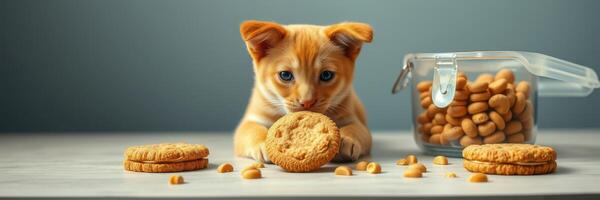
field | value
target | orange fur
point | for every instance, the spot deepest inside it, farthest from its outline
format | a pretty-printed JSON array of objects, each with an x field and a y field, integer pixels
[{"x": 306, "y": 51}]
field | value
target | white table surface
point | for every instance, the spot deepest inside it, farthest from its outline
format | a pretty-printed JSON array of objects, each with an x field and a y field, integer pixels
[{"x": 90, "y": 165}]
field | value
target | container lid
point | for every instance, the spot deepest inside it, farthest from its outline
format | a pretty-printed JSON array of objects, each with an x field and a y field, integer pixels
[{"x": 560, "y": 78}]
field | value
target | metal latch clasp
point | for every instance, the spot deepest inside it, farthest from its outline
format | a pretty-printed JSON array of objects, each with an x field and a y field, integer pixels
[
  {"x": 444, "y": 81},
  {"x": 403, "y": 78}
]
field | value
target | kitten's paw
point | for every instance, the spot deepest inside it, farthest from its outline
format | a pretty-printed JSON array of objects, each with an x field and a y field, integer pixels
[
  {"x": 350, "y": 150},
  {"x": 259, "y": 153}
]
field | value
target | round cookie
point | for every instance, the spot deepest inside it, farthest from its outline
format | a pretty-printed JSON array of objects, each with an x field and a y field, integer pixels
[
  {"x": 167, "y": 152},
  {"x": 509, "y": 159},
  {"x": 509, "y": 169},
  {"x": 165, "y": 167},
  {"x": 302, "y": 141}
]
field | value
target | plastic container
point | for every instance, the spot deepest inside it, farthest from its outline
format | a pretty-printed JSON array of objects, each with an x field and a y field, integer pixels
[{"x": 449, "y": 115}]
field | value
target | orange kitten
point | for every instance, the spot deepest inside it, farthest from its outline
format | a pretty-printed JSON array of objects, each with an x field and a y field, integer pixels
[{"x": 304, "y": 67}]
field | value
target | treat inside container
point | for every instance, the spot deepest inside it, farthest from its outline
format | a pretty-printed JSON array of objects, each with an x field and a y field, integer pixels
[{"x": 465, "y": 98}]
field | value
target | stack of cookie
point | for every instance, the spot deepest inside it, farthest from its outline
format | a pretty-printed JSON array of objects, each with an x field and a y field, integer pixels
[
  {"x": 166, "y": 157},
  {"x": 510, "y": 159}
]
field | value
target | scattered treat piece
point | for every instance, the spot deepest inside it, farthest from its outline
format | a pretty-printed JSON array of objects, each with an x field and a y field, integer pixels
[
  {"x": 259, "y": 165},
  {"x": 176, "y": 180},
  {"x": 158, "y": 158},
  {"x": 510, "y": 159},
  {"x": 440, "y": 160},
  {"x": 374, "y": 168},
  {"x": 361, "y": 166},
  {"x": 478, "y": 178},
  {"x": 252, "y": 174},
  {"x": 419, "y": 167},
  {"x": 412, "y": 159},
  {"x": 302, "y": 141},
  {"x": 247, "y": 168},
  {"x": 450, "y": 175},
  {"x": 411, "y": 173},
  {"x": 402, "y": 162},
  {"x": 343, "y": 171},
  {"x": 224, "y": 168}
]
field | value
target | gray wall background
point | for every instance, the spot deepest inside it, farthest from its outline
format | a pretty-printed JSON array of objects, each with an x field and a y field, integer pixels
[{"x": 104, "y": 65}]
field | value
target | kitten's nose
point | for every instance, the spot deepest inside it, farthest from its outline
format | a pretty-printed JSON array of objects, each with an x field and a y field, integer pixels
[{"x": 307, "y": 104}]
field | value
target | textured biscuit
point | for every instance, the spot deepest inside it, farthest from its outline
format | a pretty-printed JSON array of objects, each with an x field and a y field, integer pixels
[
  {"x": 165, "y": 167},
  {"x": 509, "y": 153},
  {"x": 176, "y": 152},
  {"x": 302, "y": 141},
  {"x": 509, "y": 159},
  {"x": 509, "y": 169}
]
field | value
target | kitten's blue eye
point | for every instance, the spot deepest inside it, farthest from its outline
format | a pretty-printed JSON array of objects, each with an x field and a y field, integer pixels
[
  {"x": 286, "y": 76},
  {"x": 326, "y": 76}
]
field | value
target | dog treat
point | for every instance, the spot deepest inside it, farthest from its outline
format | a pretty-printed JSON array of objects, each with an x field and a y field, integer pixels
[
  {"x": 523, "y": 87},
  {"x": 435, "y": 139},
  {"x": 520, "y": 103},
  {"x": 453, "y": 121},
  {"x": 484, "y": 96},
  {"x": 466, "y": 141},
  {"x": 402, "y": 162},
  {"x": 247, "y": 168},
  {"x": 498, "y": 86},
  {"x": 480, "y": 118},
  {"x": 252, "y": 174},
  {"x": 498, "y": 120},
  {"x": 469, "y": 127},
  {"x": 374, "y": 168},
  {"x": 478, "y": 87},
  {"x": 486, "y": 128},
  {"x": 488, "y": 78},
  {"x": 513, "y": 127},
  {"x": 159, "y": 158},
  {"x": 509, "y": 159},
  {"x": 302, "y": 141},
  {"x": 457, "y": 111},
  {"x": 412, "y": 173},
  {"x": 440, "y": 160},
  {"x": 500, "y": 103},
  {"x": 478, "y": 178},
  {"x": 418, "y": 166},
  {"x": 477, "y": 107},
  {"x": 505, "y": 74},
  {"x": 176, "y": 180},
  {"x": 497, "y": 137},
  {"x": 516, "y": 138},
  {"x": 425, "y": 102},
  {"x": 224, "y": 168},
  {"x": 450, "y": 175},
  {"x": 439, "y": 119},
  {"x": 462, "y": 94},
  {"x": 490, "y": 109},
  {"x": 361, "y": 166},
  {"x": 412, "y": 159},
  {"x": 343, "y": 171},
  {"x": 259, "y": 165},
  {"x": 453, "y": 133},
  {"x": 424, "y": 86},
  {"x": 461, "y": 82}
]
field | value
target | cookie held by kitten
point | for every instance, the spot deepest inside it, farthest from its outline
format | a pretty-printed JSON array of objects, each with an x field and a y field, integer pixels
[
  {"x": 304, "y": 68},
  {"x": 302, "y": 141}
]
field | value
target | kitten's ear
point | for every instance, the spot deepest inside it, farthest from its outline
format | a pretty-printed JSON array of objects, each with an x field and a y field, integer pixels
[
  {"x": 350, "y": 36},
  {"x": 260, "y": 36}
]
